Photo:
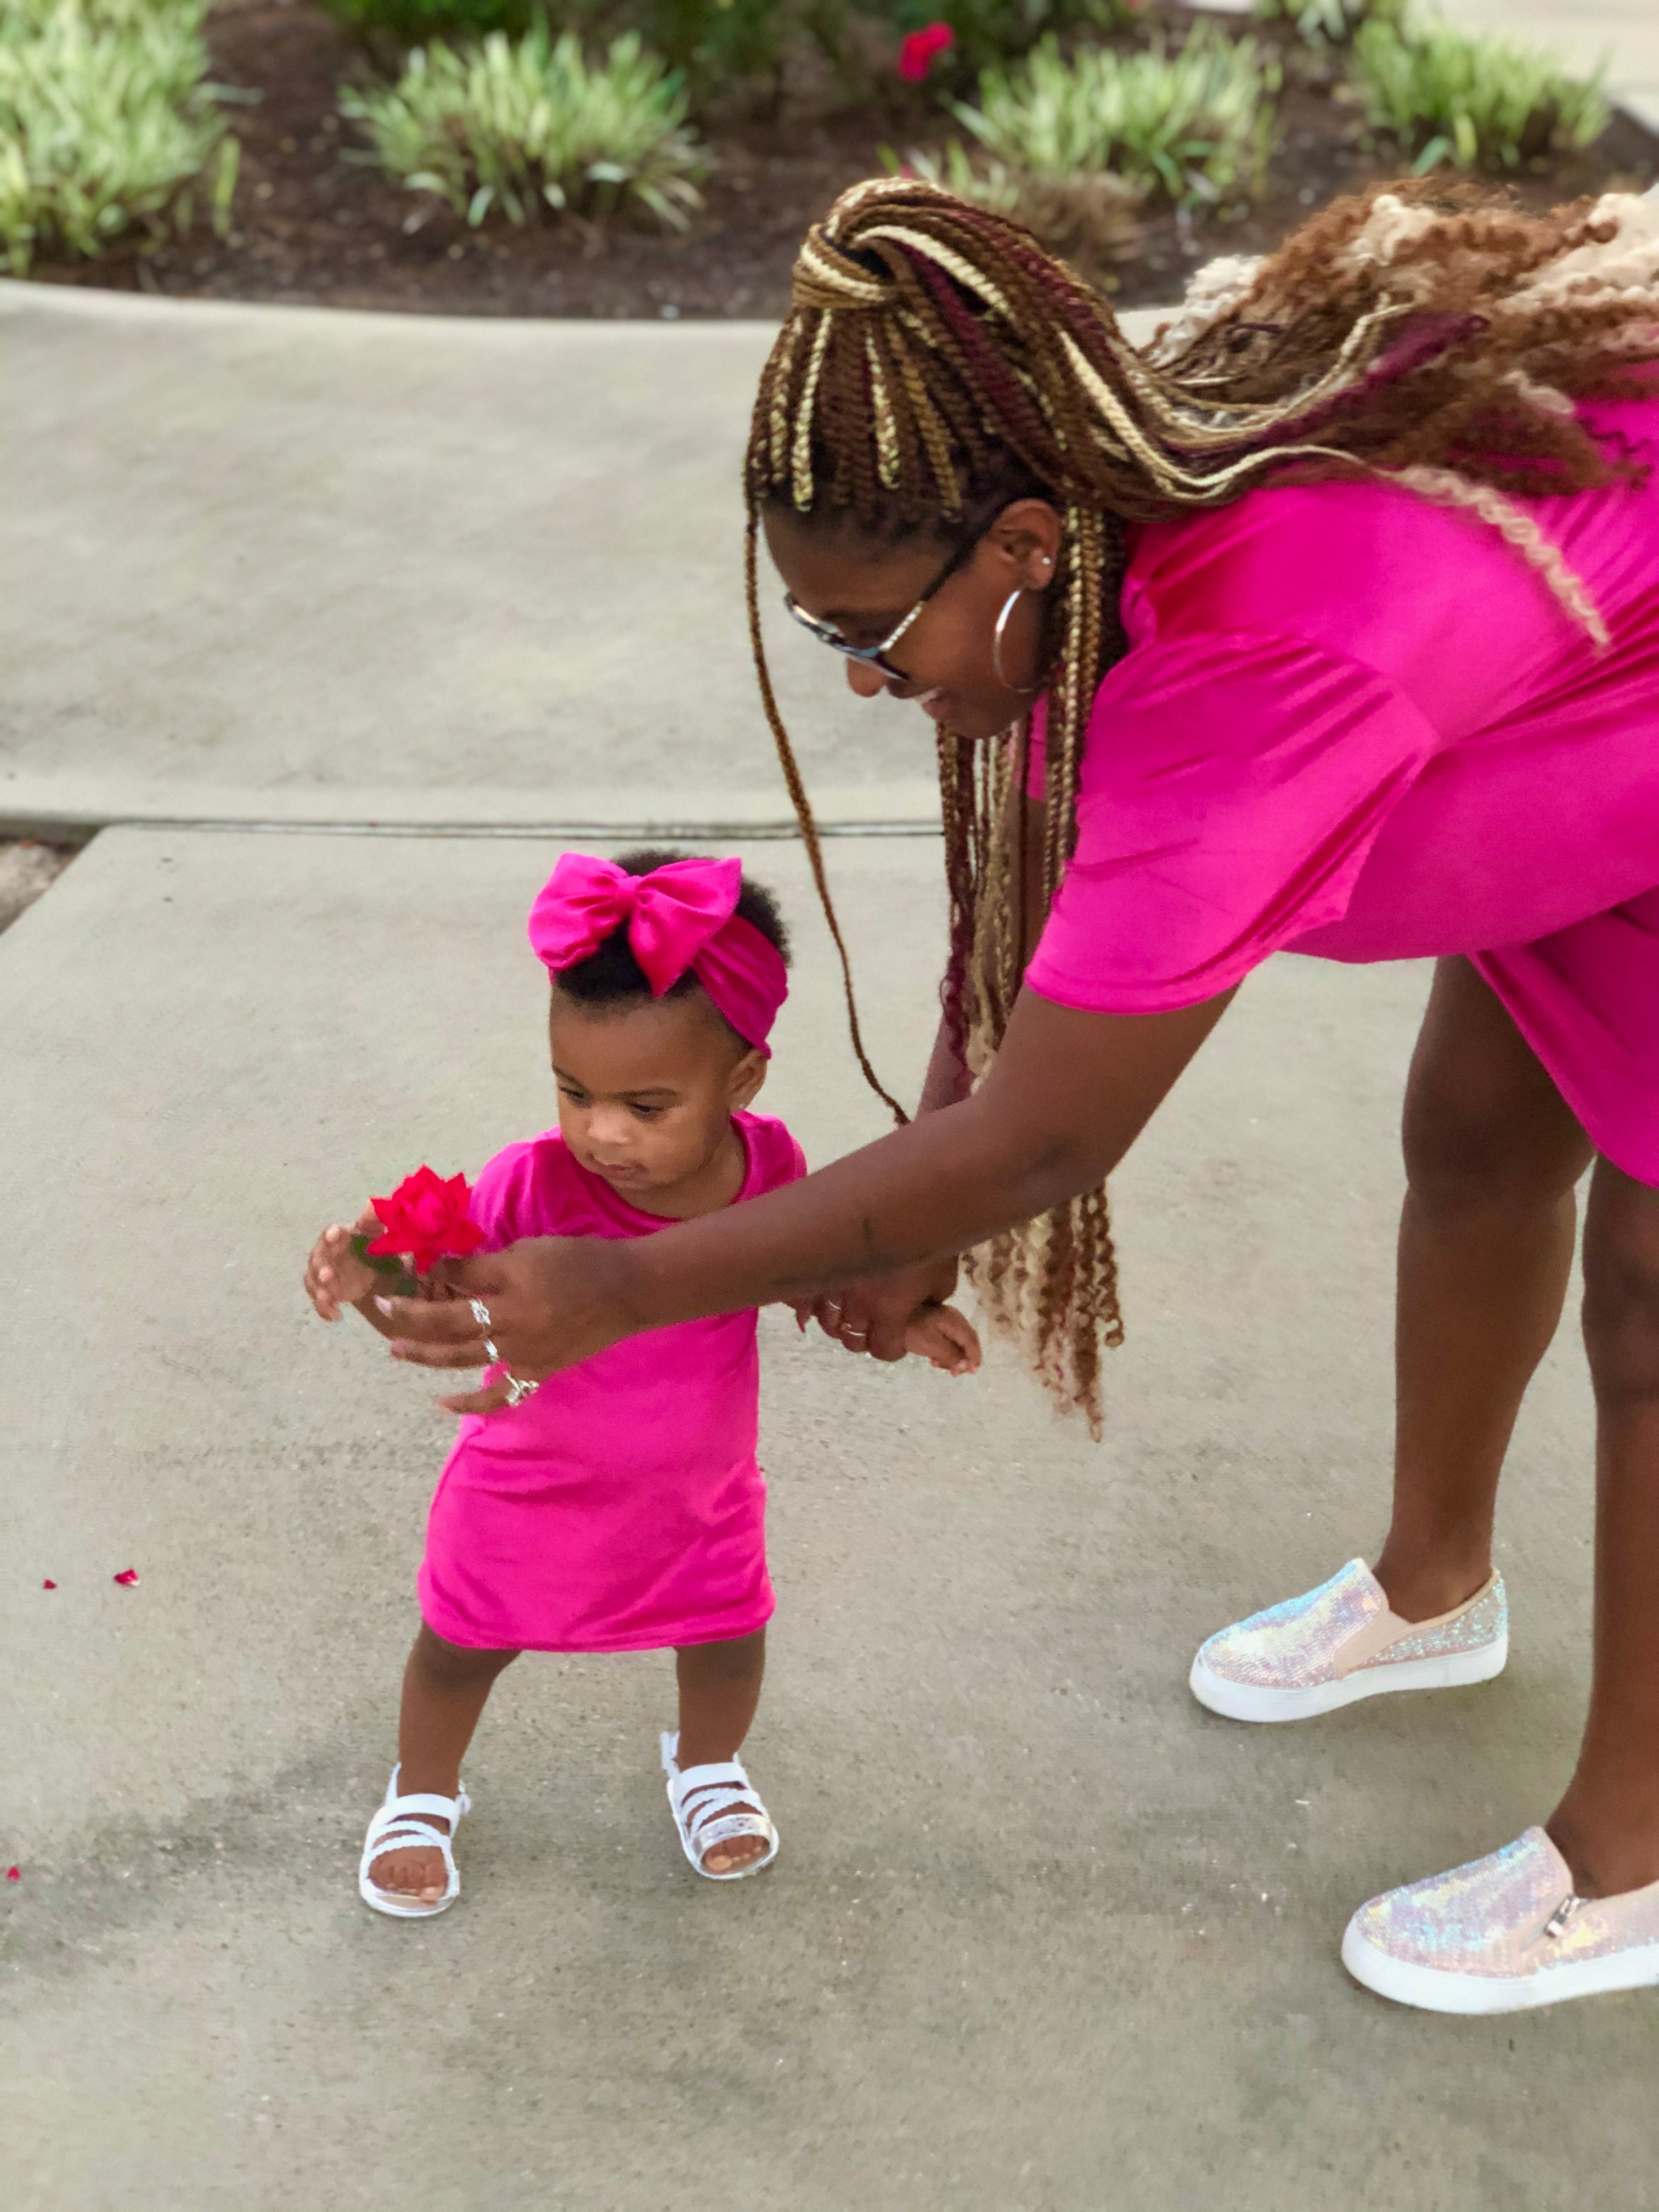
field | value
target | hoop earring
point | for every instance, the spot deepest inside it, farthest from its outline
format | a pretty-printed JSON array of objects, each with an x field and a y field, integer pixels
[{"x": 1018, "y": 593}]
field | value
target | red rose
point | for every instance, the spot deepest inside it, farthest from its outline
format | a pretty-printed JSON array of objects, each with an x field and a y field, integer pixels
[
  {"x": 428, "y": 1218},
  {"x": 915, "y": 55}
]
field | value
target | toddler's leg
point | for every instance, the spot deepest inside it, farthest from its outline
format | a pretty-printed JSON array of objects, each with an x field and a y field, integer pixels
[
  {"x": 719, "y": 1688},
  {"x": 445, "y": 1689}
]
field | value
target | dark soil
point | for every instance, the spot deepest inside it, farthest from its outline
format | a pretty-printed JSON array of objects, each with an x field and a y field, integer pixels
[{"x": 313, "y": 225}]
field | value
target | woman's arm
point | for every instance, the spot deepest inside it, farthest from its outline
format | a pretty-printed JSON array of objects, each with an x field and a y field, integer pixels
[
  {"x": 874, "y": 1313},
  {"x": 1068, "y": 1095}
]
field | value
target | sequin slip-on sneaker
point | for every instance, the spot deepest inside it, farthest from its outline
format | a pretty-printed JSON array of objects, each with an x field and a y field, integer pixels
[
  {"x": 1504, "y": 1934},
  {"x": 1341, "y": 1642}
]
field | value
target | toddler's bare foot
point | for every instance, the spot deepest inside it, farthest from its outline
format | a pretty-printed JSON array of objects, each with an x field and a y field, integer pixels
[
  {"x": 736, "y": 1850},
  {"x": 414, "y": 1873}
]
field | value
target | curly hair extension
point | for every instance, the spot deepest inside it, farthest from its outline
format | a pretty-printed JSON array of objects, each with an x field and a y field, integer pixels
[{"x": 936, "y": 364}]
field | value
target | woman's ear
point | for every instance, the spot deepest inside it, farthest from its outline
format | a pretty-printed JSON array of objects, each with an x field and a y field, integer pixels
[
  {"x": 1028, "y": 534},
  {"x": 746, "y": 1079}
]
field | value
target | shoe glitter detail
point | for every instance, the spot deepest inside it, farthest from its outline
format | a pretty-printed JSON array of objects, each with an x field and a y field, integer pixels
[
  {"x": 1299, "y": 1644},
  {"x": 1483, "y": 1622},
  {"x": 1494, "y": 1915},
  {"x": 1293, "y": 1645}
]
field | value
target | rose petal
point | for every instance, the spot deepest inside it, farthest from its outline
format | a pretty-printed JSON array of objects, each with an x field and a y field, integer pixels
[
  {"x": 127, "y": 1576},
  {"x": 428, "y": 1218},
  {"x": 14, "y": 1874},
  {"x": 49, "y": 1584}
]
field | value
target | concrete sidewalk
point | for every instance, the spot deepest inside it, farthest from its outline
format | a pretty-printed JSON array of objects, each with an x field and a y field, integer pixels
[
  {"x": 300, "y": 565},
  {"x": 1044, "y": 1936}
]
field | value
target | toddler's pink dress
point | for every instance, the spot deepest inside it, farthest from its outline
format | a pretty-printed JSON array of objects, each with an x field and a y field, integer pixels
[
  {"x": 1357, "y": 725},
  {"x": 622, "y": 1507}
]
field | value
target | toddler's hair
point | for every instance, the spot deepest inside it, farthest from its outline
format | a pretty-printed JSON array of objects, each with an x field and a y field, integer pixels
[{"x": 612, "y": 976}]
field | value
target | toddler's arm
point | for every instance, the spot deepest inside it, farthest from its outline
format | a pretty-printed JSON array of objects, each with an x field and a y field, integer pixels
[{"x": 946, "y": 1337}]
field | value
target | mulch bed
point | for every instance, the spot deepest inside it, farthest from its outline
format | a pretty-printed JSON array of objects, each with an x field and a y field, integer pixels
[{"x": 314, "y": 227}]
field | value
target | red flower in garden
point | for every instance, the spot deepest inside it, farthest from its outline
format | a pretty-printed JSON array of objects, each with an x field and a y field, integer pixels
[
  {"x": 916, "y": 52},
  {"x": 428, "y": 1218}
]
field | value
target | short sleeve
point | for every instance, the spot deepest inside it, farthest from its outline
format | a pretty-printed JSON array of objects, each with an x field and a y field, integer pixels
[
  {"x": 509, "y": 1197},
  {"x": 776, "y": 1158},
  {"x": 1231, "y": 788}
]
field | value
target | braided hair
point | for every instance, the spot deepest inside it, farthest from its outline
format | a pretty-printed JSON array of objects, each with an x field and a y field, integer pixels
[{"x": 936, "y": 364}]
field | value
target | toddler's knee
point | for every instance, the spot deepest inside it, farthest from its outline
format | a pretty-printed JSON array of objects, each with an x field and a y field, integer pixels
[
  {"x": 732, "y": 1660},
  {"x": 457, "y": 1666}
]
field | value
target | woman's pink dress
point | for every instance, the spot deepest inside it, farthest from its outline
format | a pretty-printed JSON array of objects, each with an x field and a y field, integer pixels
[
  {"x": 1357, "y": 725},
  {"x": 622, "y": 1507}
]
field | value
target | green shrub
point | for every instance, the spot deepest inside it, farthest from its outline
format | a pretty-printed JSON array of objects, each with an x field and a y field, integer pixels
[
  {"x": 1194, "y": 125},
  {"x": 518, "y": 123},
  {"x": 1090, "y": 219},
  {"x": 719, "y": 43},
  {"x": 408, "y": 22},
  {"x": 105, "y": 121},
  {"x": 1476, "y": 102},
  {"x": 1328, "y": 22},
  {"x": 993, "y": 31}
]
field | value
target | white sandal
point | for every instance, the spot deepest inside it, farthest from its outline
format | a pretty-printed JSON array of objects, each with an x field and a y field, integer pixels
[
  {"x": 397, "y": 1826},
  {"x": 711, "y": 1805}
]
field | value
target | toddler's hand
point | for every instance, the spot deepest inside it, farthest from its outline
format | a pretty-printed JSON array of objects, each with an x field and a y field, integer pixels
[
  {"x": 945, "y": 1336},
  {"x": 335, "y": 1276}
]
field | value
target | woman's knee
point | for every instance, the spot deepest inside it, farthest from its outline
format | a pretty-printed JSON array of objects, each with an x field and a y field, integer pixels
[
  {"x": 1484, "y": 1125},
  {"x": 1621, "y": 1283}
]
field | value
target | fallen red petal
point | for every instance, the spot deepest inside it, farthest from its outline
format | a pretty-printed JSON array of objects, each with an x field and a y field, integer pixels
[
  {"x": 49, "y": 1584},
  {"x": 14, "y": 1874},
  {"x": 127, "y": 1576}
]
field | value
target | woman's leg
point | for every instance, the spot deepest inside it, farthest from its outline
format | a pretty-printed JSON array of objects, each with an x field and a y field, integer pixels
[
  {"x": 1607, "y": 1826},
  {"x": 719, "y": 1686},
  {"x": 445, "y": 1689},
  {"x": 1485, "y": 1245}
]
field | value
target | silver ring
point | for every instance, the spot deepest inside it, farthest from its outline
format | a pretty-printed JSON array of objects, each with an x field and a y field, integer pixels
[
  {"x": 518, "y": 1391},
  {"x": 860, "y": 1333},
  {"x": 481, "y": 1315}
]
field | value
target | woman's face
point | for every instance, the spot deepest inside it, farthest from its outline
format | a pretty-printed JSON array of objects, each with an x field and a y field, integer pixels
[{"x": 866, "y": 590}]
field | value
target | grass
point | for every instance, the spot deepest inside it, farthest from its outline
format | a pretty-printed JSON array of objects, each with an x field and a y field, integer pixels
[
  {"x": 1193, "y": 125},
  {"x": 105, "y": 122},
  {"x": 520, "y": 124},
  {"x": 1474, "y": 102}
]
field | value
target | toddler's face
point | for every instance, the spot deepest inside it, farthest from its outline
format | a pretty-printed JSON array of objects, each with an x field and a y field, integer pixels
[{"x": 647, "y": 1091}]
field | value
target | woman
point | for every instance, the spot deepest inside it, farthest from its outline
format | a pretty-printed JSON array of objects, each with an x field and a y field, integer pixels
[{"x": 1334, "y": 625}]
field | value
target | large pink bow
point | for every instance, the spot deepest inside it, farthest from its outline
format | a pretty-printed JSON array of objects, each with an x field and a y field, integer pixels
[{"x": 681, "y": 915}]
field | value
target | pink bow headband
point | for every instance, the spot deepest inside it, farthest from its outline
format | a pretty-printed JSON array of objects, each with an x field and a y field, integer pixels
[{"x": 681, "y": 916}]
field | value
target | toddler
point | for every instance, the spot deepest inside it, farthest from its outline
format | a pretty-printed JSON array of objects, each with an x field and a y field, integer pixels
[{"x": 619, "y": 1506}]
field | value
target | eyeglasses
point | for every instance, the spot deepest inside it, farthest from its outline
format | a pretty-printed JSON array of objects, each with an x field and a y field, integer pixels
[{"x": 875, "y": 656}]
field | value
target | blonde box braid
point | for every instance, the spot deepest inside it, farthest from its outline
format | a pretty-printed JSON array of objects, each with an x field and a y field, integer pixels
[{"x": 937, "y": 363}]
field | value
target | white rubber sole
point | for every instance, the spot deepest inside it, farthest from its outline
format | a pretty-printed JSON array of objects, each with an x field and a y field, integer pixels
[
  {"x": 1430, "y": 1989},
  {"x": 1244, "y": 1701}
]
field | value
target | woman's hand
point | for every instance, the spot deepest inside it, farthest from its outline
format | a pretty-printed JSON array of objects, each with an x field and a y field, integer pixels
[
  {"x": 550, "y": 1301},
  {"x": 874, "y": 1315}
]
